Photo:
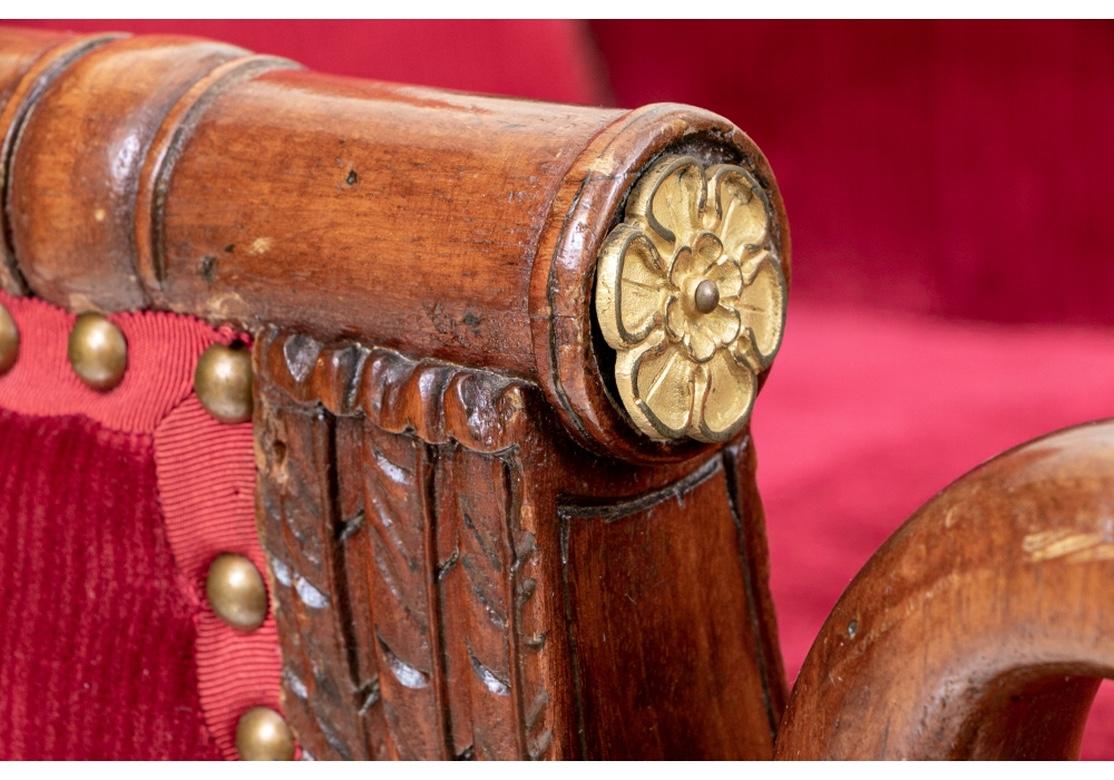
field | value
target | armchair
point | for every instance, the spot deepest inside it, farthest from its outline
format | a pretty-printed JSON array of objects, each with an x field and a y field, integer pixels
[{"x": 504, "y": 359}]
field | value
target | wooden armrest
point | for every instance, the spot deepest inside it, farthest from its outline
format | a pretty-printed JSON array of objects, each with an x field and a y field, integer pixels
[
  {"x": 183, "y": 174},
  {"x": 981, "y": 629},
  {"x": 505, "y": 355}
]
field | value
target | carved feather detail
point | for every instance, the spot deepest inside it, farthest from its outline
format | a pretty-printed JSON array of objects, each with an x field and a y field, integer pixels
[{"x": 408, "y": 549}]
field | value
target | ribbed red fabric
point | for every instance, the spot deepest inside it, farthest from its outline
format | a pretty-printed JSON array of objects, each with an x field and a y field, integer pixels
[
  {"x": 206, "y": 477},
  {"x": 112, "y": 506},
  {"x": 162, "y": 352}
]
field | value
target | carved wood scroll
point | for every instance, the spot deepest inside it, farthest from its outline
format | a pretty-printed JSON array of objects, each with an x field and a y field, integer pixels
[
  {"x": 450, "y": 582},
  {"x": 476, "y": 552}
]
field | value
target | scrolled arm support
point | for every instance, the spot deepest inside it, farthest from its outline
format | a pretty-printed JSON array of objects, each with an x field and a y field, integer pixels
[{"x": 981, "y": 628}]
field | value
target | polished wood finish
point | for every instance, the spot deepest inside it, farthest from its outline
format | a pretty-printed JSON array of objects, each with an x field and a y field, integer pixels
[
  {"x": 455, "y": 579},
  {"x": 640, "y": 570},
  {"x": 427, "y": 206},
  {"x": 29, "y": 63},
  {"x": 982, "y": 628},
  {"x": 74, "y": 172}
]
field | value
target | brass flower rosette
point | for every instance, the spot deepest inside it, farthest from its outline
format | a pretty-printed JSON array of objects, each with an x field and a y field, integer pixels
[{"x": 691, "y": 296}]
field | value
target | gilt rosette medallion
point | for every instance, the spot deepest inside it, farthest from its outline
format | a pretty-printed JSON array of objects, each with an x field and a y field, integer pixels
[{"x": 691, "y": 295}]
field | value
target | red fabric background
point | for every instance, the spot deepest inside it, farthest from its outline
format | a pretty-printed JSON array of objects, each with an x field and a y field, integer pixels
[
  {"x": 935, "y": 174},
  {"x": 957, "y": 168}
]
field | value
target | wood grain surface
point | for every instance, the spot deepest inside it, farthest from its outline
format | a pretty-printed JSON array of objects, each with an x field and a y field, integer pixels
[
  {"x": 414, "y": 267},
  {"x": 982, "y": 628},
  {"x": 30, "y": 60}
]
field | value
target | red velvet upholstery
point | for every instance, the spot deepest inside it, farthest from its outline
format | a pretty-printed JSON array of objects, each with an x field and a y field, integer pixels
[
  {"x": 96, "y": 636},
  {"x": 867, "y": 415},
  {"x": 947, "y": 169}
]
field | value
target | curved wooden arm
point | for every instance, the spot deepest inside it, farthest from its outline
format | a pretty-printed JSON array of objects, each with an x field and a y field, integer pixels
[{"x": 981, "y": 628}]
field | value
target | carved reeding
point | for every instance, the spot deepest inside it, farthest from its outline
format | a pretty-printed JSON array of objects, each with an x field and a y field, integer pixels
[
  {"x": 532, "y": 623},
  {"x": 443, "y": 647},
  {"x": 299, "y": 504},
  {"x": 21, "y": 103},
  {"x": 436, "y": 402}
]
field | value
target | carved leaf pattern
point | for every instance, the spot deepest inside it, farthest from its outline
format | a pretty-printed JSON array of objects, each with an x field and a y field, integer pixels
[
  {"x": 403, "y": 591},
  {"x": 395, "y": 478},
  {"x": 474, "y": 578},
  {"x": 297, "y": 516}
]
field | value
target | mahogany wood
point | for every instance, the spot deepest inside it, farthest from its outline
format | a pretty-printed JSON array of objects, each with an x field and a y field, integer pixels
[
  {"x": 75, "y": 168},
  {"x": 981, "y": 629},
  {"x": 29, "y": 62},
  {"x": 453, "y": 575}
]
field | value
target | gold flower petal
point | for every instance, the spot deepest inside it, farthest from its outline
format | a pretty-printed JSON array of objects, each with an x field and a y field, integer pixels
[
  {"x": 724, "y": 324},
  {"x": 670, "y": 197},
  {"x": 676, "y": 320},
  {"x": 726, "y": 394},
  {"x": 741, "y": 210},
  {"x": 707, "y": 332},
  {"x": 701, "y": 341},
  {"x": 629, "y": 304},
  {"x": 655, "y": 381},
  {"x": 708, "y": 249},
  {"x": 685, "y": 265},
  {"x": 728, "y": 277},
  {"x": 762, "y": 309}
]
